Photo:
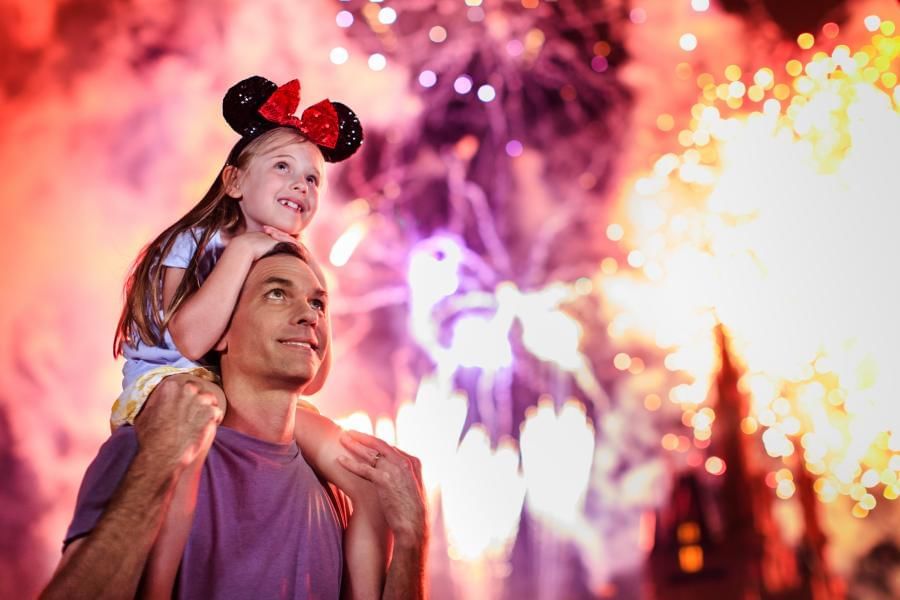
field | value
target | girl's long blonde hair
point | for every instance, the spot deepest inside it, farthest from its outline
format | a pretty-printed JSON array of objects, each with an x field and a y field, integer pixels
[{"x": 217, "y": 211}]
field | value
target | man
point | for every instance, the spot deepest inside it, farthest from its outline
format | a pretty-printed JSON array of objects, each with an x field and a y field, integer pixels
[{"x": 264, "y": 525}]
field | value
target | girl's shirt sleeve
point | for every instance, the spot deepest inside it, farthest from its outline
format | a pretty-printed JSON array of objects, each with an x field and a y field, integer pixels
[
  {"x": 183, "y": 250},
  {"x": 141, "y": 358}
]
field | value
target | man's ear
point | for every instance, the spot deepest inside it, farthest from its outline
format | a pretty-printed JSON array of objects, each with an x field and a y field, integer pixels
[
  {"x": 231, "y": 179},
  {"x": 221, "y": 345}
]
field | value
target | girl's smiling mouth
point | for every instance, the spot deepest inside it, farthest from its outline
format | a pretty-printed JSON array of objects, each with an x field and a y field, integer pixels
[{"x": 293, "y": 205}]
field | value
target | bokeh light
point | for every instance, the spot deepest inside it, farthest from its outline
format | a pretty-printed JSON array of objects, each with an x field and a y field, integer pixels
[
  {"x": 427, "y": 78},
  {"x": 344, "y": 18},
  {"x": 486, "y": 93},
  {"x": 377, "y": 62},
  {"x": 463, "y": 84},
  {"x": 687, "y": 42},
  {"x": 339, "y": 55}
]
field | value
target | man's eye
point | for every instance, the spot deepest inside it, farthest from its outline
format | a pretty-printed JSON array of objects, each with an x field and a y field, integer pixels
[{"x": 277, "y": 294}]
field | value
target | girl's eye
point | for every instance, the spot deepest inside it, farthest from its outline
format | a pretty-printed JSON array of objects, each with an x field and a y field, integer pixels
[
  {"x": 276, "y": 294},
  {"x": 318, "y": 304},
  {"x": 313, "y": 180},
  {"x": 281, "y": 166}
]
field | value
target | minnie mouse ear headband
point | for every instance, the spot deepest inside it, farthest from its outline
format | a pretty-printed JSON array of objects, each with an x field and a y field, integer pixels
[{"x": 256, "y": 105}]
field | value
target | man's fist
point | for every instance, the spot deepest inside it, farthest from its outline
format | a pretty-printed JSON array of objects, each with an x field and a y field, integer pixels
[{"x": 180, "y": 418}]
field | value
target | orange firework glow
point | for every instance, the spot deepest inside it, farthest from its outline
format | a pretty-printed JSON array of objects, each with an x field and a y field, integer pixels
[{"x": 775, "y": 216}]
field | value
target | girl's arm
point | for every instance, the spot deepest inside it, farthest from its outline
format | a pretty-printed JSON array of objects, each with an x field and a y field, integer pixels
[
  {"x": 203, "y": 317},
  {"x": 367, "y": 539}
]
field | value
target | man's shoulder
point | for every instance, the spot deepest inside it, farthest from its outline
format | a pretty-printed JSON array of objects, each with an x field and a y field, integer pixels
[
  {"x": 101, "y": 480},
  {"x": 123, "y": 438},
  {"x": 113, "y": 458}
]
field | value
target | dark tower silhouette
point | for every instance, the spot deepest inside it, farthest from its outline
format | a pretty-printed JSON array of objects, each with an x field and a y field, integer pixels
[{"x": 717, "y": 537}]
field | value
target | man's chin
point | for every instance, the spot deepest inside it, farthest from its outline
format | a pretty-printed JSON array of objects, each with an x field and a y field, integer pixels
[{"x": 296, "y": 380}]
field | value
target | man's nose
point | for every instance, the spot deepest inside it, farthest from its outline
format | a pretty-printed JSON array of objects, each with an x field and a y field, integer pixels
[{"x": 306, "y": 314}]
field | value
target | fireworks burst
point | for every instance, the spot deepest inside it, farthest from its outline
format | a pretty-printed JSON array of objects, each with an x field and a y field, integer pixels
[{"x": 775, "y": 217}]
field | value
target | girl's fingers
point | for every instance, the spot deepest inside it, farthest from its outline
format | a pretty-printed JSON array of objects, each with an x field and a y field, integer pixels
[
  {"x": 281, "y": 236},
  {"x": 361, "y": 451}
]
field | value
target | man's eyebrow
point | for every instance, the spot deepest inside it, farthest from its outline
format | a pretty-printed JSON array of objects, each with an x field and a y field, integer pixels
[
  {"x": 275, "y": 280},
  {"x": 278, "y": 281}
]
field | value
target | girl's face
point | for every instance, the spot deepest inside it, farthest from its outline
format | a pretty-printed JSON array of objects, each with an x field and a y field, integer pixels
[{"x": 280, "y": 186}]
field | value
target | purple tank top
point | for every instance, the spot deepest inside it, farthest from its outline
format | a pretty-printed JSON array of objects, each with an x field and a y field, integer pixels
[{"x": 265, "y": 526}]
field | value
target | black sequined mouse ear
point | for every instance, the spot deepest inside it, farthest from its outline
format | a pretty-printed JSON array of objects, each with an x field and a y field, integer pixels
[
  {"x": 242, "y": 102},
  {"x": 350, "y": 135}
]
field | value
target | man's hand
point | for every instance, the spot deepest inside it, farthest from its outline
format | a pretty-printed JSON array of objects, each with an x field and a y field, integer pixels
[
  {"x": 397, "y": 478},
  {"x": 179, "y": 421}
]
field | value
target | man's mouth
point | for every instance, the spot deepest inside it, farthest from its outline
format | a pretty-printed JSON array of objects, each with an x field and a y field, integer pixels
[
  {"x": 300, "y": 344},
  {"x": 293, "y": 205}
]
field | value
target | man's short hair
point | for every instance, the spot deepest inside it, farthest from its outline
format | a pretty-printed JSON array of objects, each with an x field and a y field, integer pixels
[{"x": 287, "y": 248}]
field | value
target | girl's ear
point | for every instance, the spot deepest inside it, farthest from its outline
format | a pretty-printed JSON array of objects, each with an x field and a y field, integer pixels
[
  {"x": 231, "y": 181},
  {"x": 221, "y": 345}
]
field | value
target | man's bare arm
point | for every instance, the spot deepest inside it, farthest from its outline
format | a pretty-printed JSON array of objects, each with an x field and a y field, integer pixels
[
  {"x": 397, "y": 479},
  {"x": 109, "y": 562},
  {"x": 406, "y": 575}
]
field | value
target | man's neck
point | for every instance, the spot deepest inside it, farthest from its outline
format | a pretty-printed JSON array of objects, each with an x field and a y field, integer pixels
[{"x": 266, "y": 414}]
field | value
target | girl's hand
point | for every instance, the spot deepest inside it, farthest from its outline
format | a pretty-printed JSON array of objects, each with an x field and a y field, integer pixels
[
  {"x": 283, "y": 236},
  {"x": 278, "y": 234},
  {"x": 254, "y": 243}
]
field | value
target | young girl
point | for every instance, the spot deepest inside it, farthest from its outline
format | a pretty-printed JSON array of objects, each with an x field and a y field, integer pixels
[{"x": 185, "y": 284}]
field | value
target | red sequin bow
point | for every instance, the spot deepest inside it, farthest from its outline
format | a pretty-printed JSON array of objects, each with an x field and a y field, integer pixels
[{"x": 319, "y": 122}]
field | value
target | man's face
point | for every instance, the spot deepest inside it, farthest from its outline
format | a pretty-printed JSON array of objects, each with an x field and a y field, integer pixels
[{"x": 279, "y": 331}]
